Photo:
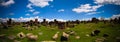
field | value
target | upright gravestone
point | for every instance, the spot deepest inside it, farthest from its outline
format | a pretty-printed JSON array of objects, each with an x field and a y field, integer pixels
[
  {"x": 70, "y": 24},
  {"x": 9, "y": 22},
  {"x": 77, "y": 22},
  {"x": 36, "y": 22},
  {"x": 31, "y": 23},
  {"x": 45, "y": 23},
  {"x": 61, "y": 25},
  {"x": 55, "y": 22}
]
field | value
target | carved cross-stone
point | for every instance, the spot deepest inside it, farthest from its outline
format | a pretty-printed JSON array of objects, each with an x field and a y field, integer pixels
[{"x": 61, "y": 25}]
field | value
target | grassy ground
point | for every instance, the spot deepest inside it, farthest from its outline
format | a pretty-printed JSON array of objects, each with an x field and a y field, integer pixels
[{"x": 81, "y": 30}]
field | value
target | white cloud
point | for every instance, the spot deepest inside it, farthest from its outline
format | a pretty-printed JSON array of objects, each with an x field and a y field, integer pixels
[
  {"x": 103, "y": 18},
  {"x": 29, "y": 6},
  {"x": 49, "y": 19},
  {"x": 40, "y": 3},
  {"x": 3, "y": 19},
  {"x": 31, "y": 10},
  {"x": 91, "y": 13},
  {"x": 85, "y": 19},
  {"x": 115, "y": 16},
  {"x": 107, "y": 18},
  {"x": 61, "y": 10},
  {"x": 86, "y": 8},
  {"x": 7, "y": 3},
  {"x": 36, "y": 13},
  {"x": 27, "y": 14},
  {"x": 22, "y": 19},
  {"x": 116, "y": 2},
  {"x": 62, "y": 20}
]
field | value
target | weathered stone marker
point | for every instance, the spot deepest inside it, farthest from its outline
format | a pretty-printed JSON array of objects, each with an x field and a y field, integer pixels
[{"x": 61, "y": 25}]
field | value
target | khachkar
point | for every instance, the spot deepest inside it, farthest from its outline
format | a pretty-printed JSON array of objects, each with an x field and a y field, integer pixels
[
  {"x": 70, "y": 24},
  {"x": 9, "y": 22},
  {"x": 53, "y": 23},
  {"x": 44, "y": 22},
  {"x": 61, "y": 25},
  {"x": 36, "y": 22},
  {"x": 33, "y": 23}
]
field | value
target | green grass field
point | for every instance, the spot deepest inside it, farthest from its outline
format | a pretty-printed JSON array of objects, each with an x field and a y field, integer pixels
[{"x": 113, "y": 30}]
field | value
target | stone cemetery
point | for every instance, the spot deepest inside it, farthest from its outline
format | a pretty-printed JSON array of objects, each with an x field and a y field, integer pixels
[{"x": 57, "y": 31}]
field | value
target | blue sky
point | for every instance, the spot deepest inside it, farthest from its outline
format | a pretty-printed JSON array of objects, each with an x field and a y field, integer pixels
[{"x": 59, "y": 9}]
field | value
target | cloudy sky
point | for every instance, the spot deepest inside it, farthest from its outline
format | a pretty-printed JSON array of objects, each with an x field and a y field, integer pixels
[{"x": 59, "y": 9}]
